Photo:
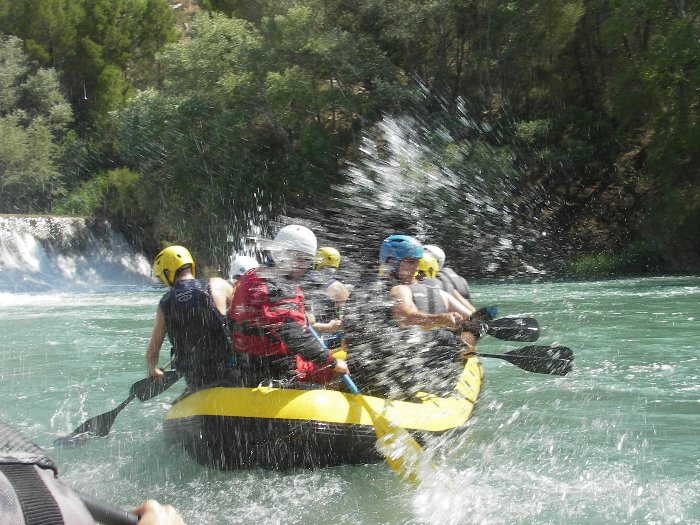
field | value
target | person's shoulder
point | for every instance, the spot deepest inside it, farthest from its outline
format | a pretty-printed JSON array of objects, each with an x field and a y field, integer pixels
[
  {"x": 337, "y": 286},
  {"x": 219, "y": 285},
  {"x": 253, "y": 275},
  {"x": 165, "y": 296},
  {"x": 314, "y": 278},
  {"x": 450, "y": 271},
  {"x": 399, "y": 290}
]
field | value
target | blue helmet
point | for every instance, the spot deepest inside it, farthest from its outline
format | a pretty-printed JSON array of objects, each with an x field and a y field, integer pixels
[{"x": 399, "y": 247}]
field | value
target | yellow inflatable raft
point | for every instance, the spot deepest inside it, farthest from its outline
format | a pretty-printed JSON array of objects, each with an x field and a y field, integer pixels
[{"x": 282, "y": 428}]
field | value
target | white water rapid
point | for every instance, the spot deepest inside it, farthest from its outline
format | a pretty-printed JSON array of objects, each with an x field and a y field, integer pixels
[{"x": 40, "y": 253}]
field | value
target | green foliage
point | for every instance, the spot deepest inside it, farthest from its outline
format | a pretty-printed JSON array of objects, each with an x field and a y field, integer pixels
[
  {"x": 491, "y": 163},
  {"x": 534, "y": 131},
  {"x": 102, "y": 47},
  {"x": 113, "y": 196},
  {"x": 259, "y": 103},
  {"x": 674, "y": 220},
  {"x": 247, "y": 118},
  {"x": 87, "y": 200},
  {"x": 637, "y": 258},
  {"x": 33, "y": 118}
]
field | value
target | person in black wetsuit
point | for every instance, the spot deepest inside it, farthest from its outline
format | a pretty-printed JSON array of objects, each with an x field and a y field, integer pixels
[{"x": 193, "y": 314}]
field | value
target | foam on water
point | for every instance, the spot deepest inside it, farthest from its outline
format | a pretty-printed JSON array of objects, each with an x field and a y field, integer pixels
[{"x": 59, "y": 253}]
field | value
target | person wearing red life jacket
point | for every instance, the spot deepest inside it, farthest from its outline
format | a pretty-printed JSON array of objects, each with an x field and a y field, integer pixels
[{"x": 268, "y": 325}]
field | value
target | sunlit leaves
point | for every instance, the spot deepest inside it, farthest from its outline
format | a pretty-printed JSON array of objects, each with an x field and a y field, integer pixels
[
  {"x": 93, "y": 44},
  {"x": 33, "y": 118},
  {"x": 215, "y": 47}
]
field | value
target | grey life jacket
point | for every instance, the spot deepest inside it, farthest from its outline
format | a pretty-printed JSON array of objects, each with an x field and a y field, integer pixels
[
  {"x": 30, "y": 493},
  {"x": 426, "y": 296},
  {"x": 451, "y": 281}
]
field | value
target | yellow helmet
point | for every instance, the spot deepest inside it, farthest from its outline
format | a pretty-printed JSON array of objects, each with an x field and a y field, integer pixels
[
  {"x": 327, "y": 256},
  {"x": 172, "y": 259},
  {"x": 428, "y": 266}
]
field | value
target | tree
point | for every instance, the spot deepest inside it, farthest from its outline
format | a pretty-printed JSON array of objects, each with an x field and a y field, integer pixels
[
  {"x": 248, "y": 119},
  {"x": 103, "y": 48},
  {"x": 34, "y": 117}
]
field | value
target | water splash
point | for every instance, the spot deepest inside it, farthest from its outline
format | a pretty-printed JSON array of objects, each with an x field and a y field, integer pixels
[{"x": 447, "y": 185}]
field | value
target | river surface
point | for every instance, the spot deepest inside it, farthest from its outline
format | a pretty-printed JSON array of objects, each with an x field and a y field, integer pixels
[{"x": 615, "y": 441}]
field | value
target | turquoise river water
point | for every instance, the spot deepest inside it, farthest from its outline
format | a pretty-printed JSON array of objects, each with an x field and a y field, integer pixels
[{"x": 615, "y": 441}]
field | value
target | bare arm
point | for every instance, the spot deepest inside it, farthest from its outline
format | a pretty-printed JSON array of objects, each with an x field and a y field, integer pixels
[
  {"x": 326, "y": 328},
  {"x": 407, "y": 314},
  {"x": 153, "y": 350},
  {"x": 222, "y": 292},
  {"x": 454, "y": 305},
  {"x": 467, "y": 304}
]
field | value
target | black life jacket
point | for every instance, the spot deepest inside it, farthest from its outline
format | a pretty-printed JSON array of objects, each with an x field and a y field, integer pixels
[
  {"x": 451, "y": 281},
  {"x": 199, "y": 333},
  {"x": 30, "y": 493},
  {"x": 426, "y": 296}
]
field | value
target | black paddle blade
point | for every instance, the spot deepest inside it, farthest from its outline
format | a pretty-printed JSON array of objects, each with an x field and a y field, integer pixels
[
  {"x": 147, "y": 388},
  {"x": 524, "y": 329},
  {"x": 100, "y": 426},
  {"x": 545, "y": 352},
  {"x": 97, "y": 426},
  {"x": 552, "y": 360}
]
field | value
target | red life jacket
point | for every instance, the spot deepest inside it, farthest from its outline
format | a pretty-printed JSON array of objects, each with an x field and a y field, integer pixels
[
  {"x": 259, "y": 305},
  {"x": 259, "y": 308}
]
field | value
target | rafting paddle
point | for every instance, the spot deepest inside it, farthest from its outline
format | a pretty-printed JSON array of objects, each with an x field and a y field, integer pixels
[
  {"x": 99, "y": 426},
  {"x": 524, "y": 329},
  {"x": 553, "y": 360},
  {"x": 105, "y": 513},
  {"x": 403, "y": 453}
]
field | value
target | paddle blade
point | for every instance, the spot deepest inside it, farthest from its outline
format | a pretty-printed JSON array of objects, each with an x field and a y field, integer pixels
[
  {"x": 544, "y": 352},
  {"x": 552, "y": 360},
  {"x": 524, "y": 329},
  {"x": 97, "y": 426},
  {"x": 148, "y": 388},
  {"x": 403, "y": 453},
  {"x": 100, "y": 426}
]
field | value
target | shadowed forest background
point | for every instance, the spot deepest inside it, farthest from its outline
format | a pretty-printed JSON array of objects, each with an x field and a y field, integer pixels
[{"x": 186, "y": 122}]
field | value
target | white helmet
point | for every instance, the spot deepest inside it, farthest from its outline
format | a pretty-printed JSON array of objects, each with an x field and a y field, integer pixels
[
  {"x": 436, "y": 252},
  {"x": 295, "y": 238},
  {"x": 240, "y": 264}
]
